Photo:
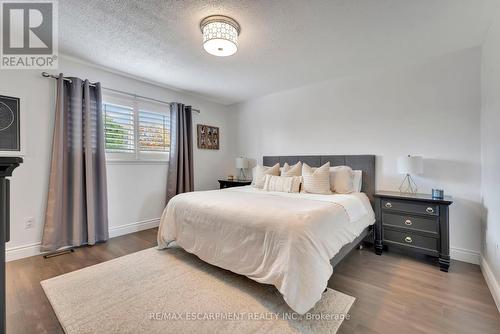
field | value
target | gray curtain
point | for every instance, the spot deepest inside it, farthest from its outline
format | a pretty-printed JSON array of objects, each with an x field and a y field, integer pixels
[
  {"x": 180, "y": 165},
  {"x": 77, "y": 204}
]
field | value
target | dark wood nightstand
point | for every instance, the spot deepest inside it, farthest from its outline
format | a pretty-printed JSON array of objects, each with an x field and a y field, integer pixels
[
  {"x": 233, "y": 183},
  {"x": 416, "y": 222}
]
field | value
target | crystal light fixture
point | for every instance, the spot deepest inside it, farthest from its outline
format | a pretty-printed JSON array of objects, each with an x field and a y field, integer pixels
[{"x": 220, "y": 35}]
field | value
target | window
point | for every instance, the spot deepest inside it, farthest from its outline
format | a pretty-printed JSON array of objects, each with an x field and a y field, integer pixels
[
  {"x": 136, "y": 130},
  {"x": 119, "y": 128},
  {"x": 154, "y": 132}
]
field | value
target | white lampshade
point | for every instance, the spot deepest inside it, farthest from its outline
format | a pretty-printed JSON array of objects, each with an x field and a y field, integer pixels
[
  {"x": 241, "y": 163},
  {"x": 412, "y": 165},
  {"x": 220, "y": 35}
]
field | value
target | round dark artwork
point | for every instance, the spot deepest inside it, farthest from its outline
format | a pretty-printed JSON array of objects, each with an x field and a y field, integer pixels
[{"x": 6, "y": 116}]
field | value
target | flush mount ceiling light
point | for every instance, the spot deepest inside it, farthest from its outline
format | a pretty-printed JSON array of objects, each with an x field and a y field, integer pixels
[{"x": 220, "y": 35}]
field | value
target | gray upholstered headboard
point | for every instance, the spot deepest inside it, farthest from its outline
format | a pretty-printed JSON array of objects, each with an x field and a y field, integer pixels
[{"x": 366, "y": 163}]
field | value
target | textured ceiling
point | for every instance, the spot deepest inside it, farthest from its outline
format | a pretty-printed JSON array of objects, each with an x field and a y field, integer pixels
[{"x": 283, "y": 43}]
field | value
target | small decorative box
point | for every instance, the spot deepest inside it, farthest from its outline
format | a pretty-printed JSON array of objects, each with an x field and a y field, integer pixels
[{"x": 438, "y": 193}]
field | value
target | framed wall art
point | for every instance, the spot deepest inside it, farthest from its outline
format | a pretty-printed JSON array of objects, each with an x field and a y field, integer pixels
[
  {"x": 10, "y": 126},
  {"x": 208, "y": 137}
]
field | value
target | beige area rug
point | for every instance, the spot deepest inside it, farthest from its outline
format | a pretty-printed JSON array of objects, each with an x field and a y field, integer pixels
[{"x": 171, "y": 291}]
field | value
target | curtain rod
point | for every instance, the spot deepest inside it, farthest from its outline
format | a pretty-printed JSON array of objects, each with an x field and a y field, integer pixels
[{"x": 48, "y": 75}]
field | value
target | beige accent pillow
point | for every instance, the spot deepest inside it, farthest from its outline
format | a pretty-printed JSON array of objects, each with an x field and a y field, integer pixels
[
  {"x": 316, "y": 180},
  {"x": 286, "y": 184},
  {"x": 295, "y": 170},
  {"x": 342, "y": 179},
  {"x": 259, "y": 174}
]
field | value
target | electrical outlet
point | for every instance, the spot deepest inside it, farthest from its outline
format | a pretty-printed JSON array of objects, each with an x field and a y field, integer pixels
[{"x": 28, "y": 223}]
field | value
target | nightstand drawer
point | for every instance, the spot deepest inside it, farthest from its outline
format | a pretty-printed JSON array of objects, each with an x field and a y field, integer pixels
[
  {"x": 411, "y": 222},
  {"x": 410, "y": 239},
  {"x": 411, "y": 207}
]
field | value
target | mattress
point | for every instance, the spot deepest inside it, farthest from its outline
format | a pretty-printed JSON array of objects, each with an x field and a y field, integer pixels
[{"x": 282, "y": 239}]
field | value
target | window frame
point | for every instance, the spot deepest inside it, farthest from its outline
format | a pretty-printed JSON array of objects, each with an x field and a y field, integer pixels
[{"x": 137, "y": 156}]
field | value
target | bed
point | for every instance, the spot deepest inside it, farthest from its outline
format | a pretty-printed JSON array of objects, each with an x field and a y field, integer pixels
[{"x": 291, "y": 241}]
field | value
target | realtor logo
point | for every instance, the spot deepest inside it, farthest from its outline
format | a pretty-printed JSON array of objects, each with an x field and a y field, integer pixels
[{"x": 29, "y": 34}]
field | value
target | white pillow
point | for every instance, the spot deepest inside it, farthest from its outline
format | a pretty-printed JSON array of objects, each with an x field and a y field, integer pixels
[
  {"x": 286, "y": 184},
  {"x": 259, "y": 174},
  {"x": 316, "y": 180},
  {"x": 357, "y": 180},
  {"x": 341, "y": 180},
  {"x": 295, "y": 170}
]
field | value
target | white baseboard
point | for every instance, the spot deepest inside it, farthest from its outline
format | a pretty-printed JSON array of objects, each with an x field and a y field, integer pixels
[
  {"x": 116, "y": 231},
  {"x": 20, "y": 252},
  {"x": 492, "y": 282},
  {"x": 465, "y": 255}
]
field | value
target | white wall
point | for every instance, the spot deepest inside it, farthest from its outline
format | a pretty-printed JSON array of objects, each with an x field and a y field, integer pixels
[
  {"x": 490, "y": 139},
  {"x": 136, "y": 191},
  {"x": 430, "y": 109}
]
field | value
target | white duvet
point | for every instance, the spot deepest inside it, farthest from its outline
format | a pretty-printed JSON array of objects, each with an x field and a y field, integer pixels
[{"x": 282, "y": 239}]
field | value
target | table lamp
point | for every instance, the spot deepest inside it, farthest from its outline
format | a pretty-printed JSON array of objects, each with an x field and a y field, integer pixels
[
  {"x": 241, "y": 164},
  {"x": 410, "y": 165}
]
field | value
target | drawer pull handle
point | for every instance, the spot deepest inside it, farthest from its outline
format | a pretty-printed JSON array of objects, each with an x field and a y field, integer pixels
[
  {"x": 408, "y": 222},
  {"x": 408, "y": 240},
  {"x": 388, "y": 205},
  {"x": 429, "y": 210}
]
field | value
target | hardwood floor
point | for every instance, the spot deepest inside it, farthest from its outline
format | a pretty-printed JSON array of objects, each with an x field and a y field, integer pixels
[
  {"x": 394, "y": 293},
  {"x": 400, "y": 294},
  {"x": 28, "y": 310}
]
